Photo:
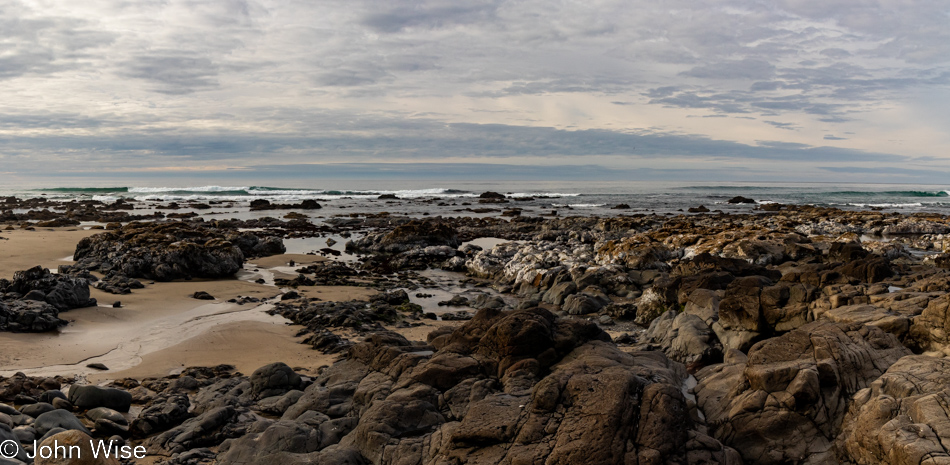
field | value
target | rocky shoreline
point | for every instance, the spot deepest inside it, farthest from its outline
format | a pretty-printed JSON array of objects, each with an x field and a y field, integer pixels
[{"x": 790, "y": 334}]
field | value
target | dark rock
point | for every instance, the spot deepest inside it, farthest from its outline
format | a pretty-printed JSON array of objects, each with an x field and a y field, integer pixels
[
  {"x": 89, "y": 397},
  {"x": 274, "y": 379},
  {"x": 741, "y": 199},
  {"x": 202, "y": 295},
  {"x": 168, "y": 251},
  {"x": 37, "y": 409},
  {"x": 58, "y": 419},
  {"x": 160, "y": 415},
  {"x": 60, "y": 291}
]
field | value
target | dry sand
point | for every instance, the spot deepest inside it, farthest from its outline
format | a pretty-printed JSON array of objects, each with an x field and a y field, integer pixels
[
  {"x": 160, "y": 329},
  {"x": 24, "y": 249}
]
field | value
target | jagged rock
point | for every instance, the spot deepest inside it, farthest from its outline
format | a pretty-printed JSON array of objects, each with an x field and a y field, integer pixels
[
  {"x": 287, "y": 442},
  {"x": 167, "y": 251},
  {"x": 685, "y": 338},
  {"x": 931, "y": 330},
  {"x": 414, "y": 234},
  {"x": 902, "y": 418},
  {"x": 787, "y": 401},
  {"x": 60, "y": 291},
  {"x": 205, "y": 430},
  {"x": 22, "y": 316}
]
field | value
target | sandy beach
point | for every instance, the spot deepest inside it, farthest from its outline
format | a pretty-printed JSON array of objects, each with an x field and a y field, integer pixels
[{"x": 161, "y": 328}]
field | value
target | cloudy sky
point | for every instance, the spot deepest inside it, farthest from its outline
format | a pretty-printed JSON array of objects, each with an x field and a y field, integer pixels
[{"x": 850, "y": 90}]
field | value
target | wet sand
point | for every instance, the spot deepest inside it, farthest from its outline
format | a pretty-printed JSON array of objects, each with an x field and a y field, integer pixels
[{"x": 159, "y": 329}]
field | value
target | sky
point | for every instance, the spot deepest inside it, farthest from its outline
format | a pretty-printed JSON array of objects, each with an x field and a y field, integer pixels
[{"x": 786, "y": 90}]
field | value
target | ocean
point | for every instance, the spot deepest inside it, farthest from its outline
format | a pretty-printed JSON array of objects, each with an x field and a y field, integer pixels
[{"x": 422, "y": 197}]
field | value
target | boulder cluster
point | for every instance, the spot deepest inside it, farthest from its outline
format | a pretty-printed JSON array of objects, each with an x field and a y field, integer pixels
[
  {"x": 173, "y": 250},
  {"x": 33, "y": 299}
]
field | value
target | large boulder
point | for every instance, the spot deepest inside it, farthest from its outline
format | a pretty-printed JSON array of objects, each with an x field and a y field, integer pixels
[
  {"x": 786, "y": 402},
  {"x": 58, "y": 419},
  {"x": 90, "y": 397},
  {"x": 274, "y": 379}
]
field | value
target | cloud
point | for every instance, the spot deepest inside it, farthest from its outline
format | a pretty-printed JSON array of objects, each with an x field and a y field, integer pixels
[
  {"x": 753, "y": 69},
  {"x": 173, "y": 72},
  {"x": 133, "y": 83},
  {"x": 430, "y": 14}
]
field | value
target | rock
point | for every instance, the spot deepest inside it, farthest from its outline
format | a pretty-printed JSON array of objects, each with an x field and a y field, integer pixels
[
  {"x": 6, "y": 434},
  {"x": 414, "y": 234},
  {"x": 205, "y": 430},
  {"x": 82, "y": 456},
  {"x": 585, "y": 303},
  {"x": 108, "y": 422},
  {"x": 98, "y": 366},
  {"x": 931, "y": 330},
  {"x": 740, "y": 199},
  {"x": 168, "y": 251},
  {"x": 202, "y": 295},
  {"x": 787, "y": 402},
  {"x": 685, "y": 338},
  {"x": 160, "y": 415},
  {"x": 900, "y": 417},
  {"x": 558, "y": 293},
  {"x": 282, "y": 442},
  {"x": 699, "y": 209},
  {"x": 274, "y": 379},
  {"x": 455, "y": 301},
  {"x": 37, "y": 409},
  {"x": 60, "y": 291},
  {"x": 29, "y": 316},
  {"x": 90, "y": 397},
  {"x": 58, "y": 419},
  {"x": 741, "y": 320}
]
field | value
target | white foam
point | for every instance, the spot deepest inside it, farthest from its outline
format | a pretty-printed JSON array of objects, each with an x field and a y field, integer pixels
[{"x": 151, "y": 190}]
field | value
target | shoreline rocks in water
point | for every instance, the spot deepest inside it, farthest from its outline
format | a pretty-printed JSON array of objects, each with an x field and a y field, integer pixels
[{"x": 782, "y": 335}]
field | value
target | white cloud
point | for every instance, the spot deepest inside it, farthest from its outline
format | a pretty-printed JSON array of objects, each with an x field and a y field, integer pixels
[{"x": 116, "y": 78}]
